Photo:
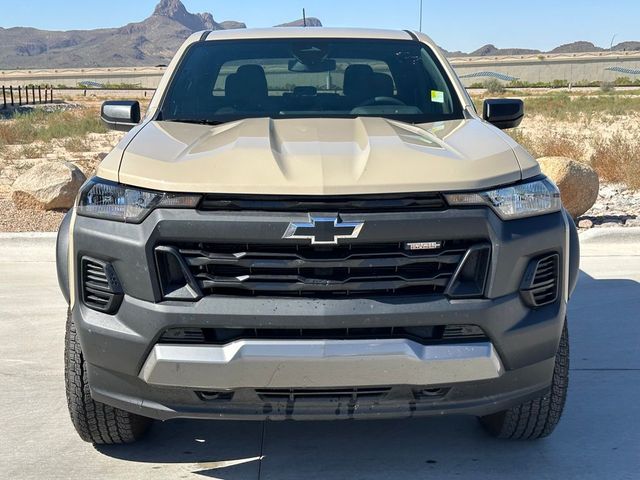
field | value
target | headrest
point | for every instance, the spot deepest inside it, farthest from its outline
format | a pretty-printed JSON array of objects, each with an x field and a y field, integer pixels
[
  {"x": 248, "y": 83},
  {"x": 357, "y": 79}
]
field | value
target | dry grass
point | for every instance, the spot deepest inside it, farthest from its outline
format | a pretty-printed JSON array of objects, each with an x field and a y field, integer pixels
[
  {"x": 561, "y": 145},
  {"x": 573, "y": 106},
  {"x": 44, "y": 126},
  {"x": 76, "y": 144},
  {"x": 551, "y": 145},
  {"x": 31, "y": 151},
  {"x": 617, "y": 159}
]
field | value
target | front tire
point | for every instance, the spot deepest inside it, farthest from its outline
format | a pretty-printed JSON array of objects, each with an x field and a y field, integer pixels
[
  {"x": 539, "y": 417},
  {"x": 95, "y": 422}
]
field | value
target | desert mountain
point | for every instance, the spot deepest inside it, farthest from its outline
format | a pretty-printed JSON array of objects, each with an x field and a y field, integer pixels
[
  {"x": 310, "y": 22},
  {"x": 491, "y": 50},
  {"x": 150, "y": 42}
]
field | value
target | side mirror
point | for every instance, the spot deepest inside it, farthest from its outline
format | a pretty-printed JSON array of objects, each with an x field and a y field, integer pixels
[
  {"x": 503, "y": 112},
  {"x": 120, "y": 115}
]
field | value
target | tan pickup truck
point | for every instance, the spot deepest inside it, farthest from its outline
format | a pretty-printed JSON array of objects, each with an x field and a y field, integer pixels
[{"x": 315, "y": 224}]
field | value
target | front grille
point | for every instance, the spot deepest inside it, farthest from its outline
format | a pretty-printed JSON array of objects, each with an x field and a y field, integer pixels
[
  {"x": 101, "y": 288},
  {"x": 325, "y": 271},
  {"x": 343, "y": 204},
  {"x": 421, "y": 334},
  {"x": 540, "y": 283}
]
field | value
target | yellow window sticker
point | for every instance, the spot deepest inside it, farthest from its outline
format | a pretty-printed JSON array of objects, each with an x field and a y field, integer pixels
[{"x": 437, "y": 96}]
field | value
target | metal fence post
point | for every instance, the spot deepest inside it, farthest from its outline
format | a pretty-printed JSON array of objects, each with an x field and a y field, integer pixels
[
  {"x": 51, "y": 100},
  {"x": 11, "y": 91},
  {"x": 26, "y": 93},
  {"x": 33, "y": 93},
  {"x": 4, "y": 97},
  {"x": 19, "y": 95},
  {"x": 39, "y": 93}
]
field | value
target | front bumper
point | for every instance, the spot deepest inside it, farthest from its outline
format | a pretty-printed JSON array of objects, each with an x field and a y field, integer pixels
[
  {"x": 305, "y": 363},
  {"x": 129, "y": 369}
]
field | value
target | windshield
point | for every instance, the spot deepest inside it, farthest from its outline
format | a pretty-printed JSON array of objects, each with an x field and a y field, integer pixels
[{"x": 219, "y": 81}]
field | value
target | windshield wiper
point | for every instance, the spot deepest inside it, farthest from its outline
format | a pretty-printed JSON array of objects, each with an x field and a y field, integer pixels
[{"x": 194, "y": 121}]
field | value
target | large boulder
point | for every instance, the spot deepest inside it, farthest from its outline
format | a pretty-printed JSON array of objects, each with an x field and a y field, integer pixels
[
  {"x": 578, "y": 183},
  {"x": 47, "y": 186}
]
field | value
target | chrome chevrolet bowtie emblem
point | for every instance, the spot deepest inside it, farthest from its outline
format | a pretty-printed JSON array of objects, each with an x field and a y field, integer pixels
[{"x": 323, "y": 230}]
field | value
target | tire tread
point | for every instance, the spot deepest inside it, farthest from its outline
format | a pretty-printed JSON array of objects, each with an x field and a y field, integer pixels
[
  {"x": 536, "y": 418},
  {"x": 95, "y": 422}
]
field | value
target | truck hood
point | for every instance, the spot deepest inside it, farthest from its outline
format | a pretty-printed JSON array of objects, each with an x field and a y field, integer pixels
[{"x": 319, "y": 156}]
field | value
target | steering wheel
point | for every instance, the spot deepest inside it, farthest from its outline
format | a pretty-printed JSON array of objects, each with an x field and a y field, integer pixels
[{"x": 382, "y": 101}]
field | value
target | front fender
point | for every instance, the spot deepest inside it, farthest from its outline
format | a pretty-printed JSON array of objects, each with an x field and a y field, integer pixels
[
  {"x": 62, "y": 255},
  {"x": 574, "y": 254}
]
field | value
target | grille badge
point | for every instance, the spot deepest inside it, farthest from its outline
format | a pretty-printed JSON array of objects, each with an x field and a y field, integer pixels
[
  {"x": 423, "y": 246},
  {"x": 323, "y": 230}
]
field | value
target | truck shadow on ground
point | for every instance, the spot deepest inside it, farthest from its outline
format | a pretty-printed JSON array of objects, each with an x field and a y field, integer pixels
[{"x": 593, "y": 439}]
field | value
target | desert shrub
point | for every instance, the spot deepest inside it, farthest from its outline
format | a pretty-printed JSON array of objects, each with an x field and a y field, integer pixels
[
  {"x": 31, "y": 151},
  {"x": 617, "y": 159},
  {"x": 607, "y": 87},
  {"x": 40, "y": 125},
  {"x": 493, "y": 86},
  {"x": 76, "y": 144},
  {"x": 561, "y": 145}
]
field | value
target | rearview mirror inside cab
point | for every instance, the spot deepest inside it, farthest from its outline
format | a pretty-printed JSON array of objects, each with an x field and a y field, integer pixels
[
  {"x": 120, "y": 115},
  {"x": 503, "y": 112}
]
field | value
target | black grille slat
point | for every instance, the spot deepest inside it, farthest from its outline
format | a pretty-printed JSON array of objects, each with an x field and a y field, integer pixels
[
  {"x": 298, "y": 284},
  {"x": 287, "y": 269},
  {"x": 199, "y": 258},
  {"x": 343, "y": 204}
]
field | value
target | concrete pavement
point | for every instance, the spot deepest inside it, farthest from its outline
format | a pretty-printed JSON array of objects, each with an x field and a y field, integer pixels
[{"x": 599, "y": 436}]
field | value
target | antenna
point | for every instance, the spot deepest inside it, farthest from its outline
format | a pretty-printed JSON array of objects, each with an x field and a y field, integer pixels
[
  {"x": 421, "y": 1},
  {"x": 304, "y": 17}
]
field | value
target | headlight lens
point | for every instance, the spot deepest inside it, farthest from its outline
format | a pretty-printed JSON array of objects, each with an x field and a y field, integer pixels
[
  {"x": 112, "y": 201},
  {"x": 516, "y": 201}
]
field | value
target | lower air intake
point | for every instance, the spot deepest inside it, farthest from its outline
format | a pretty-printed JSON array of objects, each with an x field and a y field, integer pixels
[
  {"x": 101, "y": 289},
  {"x": 541, "y": 281}
]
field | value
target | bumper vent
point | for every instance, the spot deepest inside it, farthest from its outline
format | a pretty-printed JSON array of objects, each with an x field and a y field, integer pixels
[
  {"x": 540, "y": 283},
  {"x": 325, "y": 271},
  {"x": 101, "y": 289},
  {"x": 352, "y": 395},
  {"x": 421, "y": 334}
]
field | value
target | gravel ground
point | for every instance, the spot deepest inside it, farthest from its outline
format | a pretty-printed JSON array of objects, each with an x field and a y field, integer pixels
[
  {"x": 617, "y": 206},
  {"x": 13, "y": 220}
]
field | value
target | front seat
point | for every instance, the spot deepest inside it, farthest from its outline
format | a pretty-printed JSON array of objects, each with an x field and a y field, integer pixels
[{"x": 247, "y": 89}]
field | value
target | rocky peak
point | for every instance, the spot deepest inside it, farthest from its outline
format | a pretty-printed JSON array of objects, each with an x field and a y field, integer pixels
[
  {"x": 171, "y": 8},
  {"x": 175, "y": 10}
]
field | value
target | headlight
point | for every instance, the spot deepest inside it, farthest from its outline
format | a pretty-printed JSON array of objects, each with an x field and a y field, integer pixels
[
  {"x": 516, "y": 201},
  {"x": 112, "y": 201}
]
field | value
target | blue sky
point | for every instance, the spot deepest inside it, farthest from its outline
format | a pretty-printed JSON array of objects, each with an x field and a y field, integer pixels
[{"x": 456, "y": 25}]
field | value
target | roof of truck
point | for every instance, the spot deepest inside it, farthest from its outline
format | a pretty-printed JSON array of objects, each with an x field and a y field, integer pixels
[{"x": 308, "y": 32}]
